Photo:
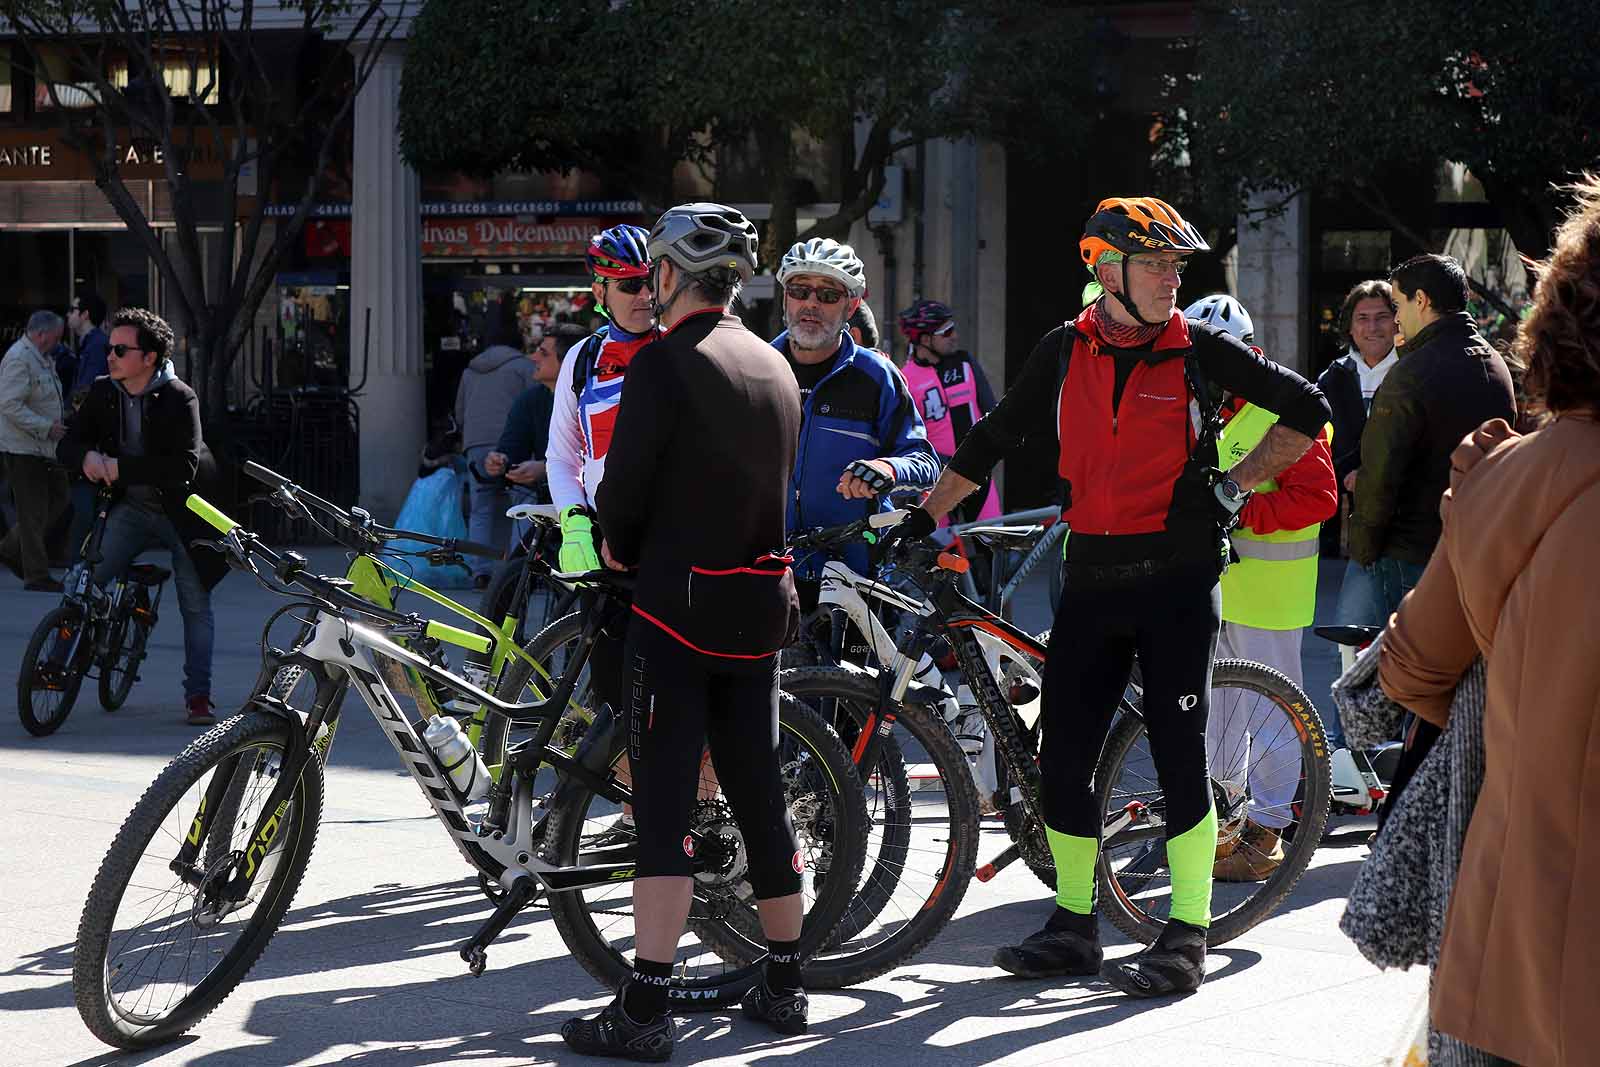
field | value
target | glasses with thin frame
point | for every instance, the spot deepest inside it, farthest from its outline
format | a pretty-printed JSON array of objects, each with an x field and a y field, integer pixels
[{"x": 1158, "y": 267}]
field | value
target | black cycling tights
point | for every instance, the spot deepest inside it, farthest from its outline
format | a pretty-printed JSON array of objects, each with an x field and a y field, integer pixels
[
  {"x": 678, "y": 701},
  {"x": 1171, "y": 622}
]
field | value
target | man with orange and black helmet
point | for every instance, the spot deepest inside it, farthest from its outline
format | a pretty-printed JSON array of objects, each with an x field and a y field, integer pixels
[{"x": 1126, "y": 389}]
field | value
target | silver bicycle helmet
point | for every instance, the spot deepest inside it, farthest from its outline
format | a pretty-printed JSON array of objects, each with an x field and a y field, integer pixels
[
  {"x": 827, "y": 257},
  {"x": 1225, "y": 313},
  {"x": 705, "y": 238}
]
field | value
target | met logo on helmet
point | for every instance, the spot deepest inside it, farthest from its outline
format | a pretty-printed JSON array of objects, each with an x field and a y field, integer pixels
[{"x": 1144, "y": 239}]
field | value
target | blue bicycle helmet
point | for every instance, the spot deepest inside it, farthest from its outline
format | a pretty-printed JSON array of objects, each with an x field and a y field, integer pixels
[{"x": 619, "y": 253}]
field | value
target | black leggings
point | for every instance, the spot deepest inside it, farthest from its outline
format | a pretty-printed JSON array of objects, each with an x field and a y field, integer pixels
[
  {"x": 1171, "y": 622},
  {"x": 678, "y": 701}
]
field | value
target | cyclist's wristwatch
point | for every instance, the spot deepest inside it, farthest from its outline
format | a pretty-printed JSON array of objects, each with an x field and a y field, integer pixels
[{"x": 1230, "y": 496}]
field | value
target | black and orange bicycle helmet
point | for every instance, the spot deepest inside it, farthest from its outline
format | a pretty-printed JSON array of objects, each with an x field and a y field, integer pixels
[
  {"x": 1129, "y": 225},
  {"x": 1134, "y": 224}
]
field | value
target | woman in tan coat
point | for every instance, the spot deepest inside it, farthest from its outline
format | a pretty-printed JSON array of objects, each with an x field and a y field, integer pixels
[{"x": 1517, "y": 578}]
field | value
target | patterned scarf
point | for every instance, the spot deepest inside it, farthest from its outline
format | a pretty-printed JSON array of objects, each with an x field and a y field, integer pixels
[{"x": 1119, "y": 335}]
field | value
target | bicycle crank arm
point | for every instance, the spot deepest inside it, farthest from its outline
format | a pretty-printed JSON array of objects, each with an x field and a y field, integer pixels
[
  {"x": 999, "y": 863},
  {"x": 519, "y": 896}
]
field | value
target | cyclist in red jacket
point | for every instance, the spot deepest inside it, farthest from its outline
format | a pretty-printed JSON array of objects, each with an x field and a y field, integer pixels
[{"x": 1119, "y": 390}]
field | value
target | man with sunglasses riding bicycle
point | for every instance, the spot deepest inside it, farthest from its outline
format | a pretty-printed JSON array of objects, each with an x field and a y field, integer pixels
[
  {"x": 860, "y": 434},
  {"x": 1126, "y": 390}
]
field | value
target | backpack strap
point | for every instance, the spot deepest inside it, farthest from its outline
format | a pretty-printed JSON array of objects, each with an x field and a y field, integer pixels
[
  {"x": 1070, "y": 335},
  {"x": 588, "y": 355},
  {"x": 1209, "y": 402}
]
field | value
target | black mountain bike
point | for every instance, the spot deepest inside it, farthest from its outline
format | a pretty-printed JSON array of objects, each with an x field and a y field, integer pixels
[{"x": 93, "y": 632}]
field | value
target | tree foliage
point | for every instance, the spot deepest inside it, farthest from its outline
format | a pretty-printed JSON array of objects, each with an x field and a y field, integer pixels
[
  {"x": 629, "y": 88},
  {"x": 1291, "y": 94},
  {"x": 286, "y": 73}
]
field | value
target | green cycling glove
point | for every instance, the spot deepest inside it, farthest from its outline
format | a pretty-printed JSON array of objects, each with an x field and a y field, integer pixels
[{"x": 577, "y": 542}]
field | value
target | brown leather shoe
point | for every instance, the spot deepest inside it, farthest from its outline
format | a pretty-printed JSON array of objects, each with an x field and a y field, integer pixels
[{"x": 1257, "y": 855}]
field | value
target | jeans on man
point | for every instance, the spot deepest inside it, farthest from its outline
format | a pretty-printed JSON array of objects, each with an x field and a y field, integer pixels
[
  {"x": 40, "y": 490},
  {"x": 84, "y": 497},
  {"x": 131, "y": 530},
  {"x": 486, "y": 522},
  {"x": 1358, "y": 598},
  {"x": 1392, "y": 580}
]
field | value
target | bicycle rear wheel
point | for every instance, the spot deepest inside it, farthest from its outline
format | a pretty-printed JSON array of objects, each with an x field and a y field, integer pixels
[
  {"x": 922, "y": 845},
  {"x": 1269, "y": 770},
  {"x": 120, "y": 668},
  {"x": 156, "y": 953},
  {"x": 719, "y": 958},
  {"x": 47, "y": 685}
]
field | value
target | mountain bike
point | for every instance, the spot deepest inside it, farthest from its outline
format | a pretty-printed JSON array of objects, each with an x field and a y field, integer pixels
[
  {"x": 151, "y": 962},
  {"x": 921, "y": 854},
  {"x": 523, "y": 588},
  {"x": 95, "y": 631}
]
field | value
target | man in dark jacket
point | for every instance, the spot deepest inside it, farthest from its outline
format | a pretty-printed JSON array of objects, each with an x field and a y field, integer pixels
[
  {"x": 139, "y": 430},
  {"x": 1448, "y": 382},
  {"x": 519, "y": 457}
]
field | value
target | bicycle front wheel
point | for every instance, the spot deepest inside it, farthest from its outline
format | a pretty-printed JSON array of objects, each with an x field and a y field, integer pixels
[
  {"x": 720, "y": 958},
  {"x": 48, "y": 683},
  {"x": 1270, "y": 785},
  {"x": 156, "y": 952}
]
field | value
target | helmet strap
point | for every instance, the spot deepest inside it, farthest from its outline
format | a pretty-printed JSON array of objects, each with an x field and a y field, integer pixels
[
  {"x": 660, "y": 307},
  {"x": 921, "y": 345},
  {"x": 1126, "y": 301}
]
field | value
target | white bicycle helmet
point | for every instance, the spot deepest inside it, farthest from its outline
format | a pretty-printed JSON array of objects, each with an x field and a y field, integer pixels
[
  {"x": 1225, "y": 313},
  {"x": 827, "y": 257},
  {"x": 705, "y": 238}
]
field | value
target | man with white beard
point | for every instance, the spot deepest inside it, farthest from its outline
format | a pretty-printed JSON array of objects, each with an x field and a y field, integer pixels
[{"x": 860, "y": 433}]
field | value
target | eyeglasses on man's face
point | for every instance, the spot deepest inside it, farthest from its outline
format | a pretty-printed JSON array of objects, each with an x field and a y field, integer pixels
[
  {"x": 630, "y": 286},
  {"x": 946, "y": 329},
  {"x": 121, "y": 350},
  {"x": 1157, "y": 267},
  {"x": 825, "y": 295}
]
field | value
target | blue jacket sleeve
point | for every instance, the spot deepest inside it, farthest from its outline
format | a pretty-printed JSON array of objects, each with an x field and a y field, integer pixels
[
  {"x": 903, "y": 436},
  {"x": 91, "y": 361}
]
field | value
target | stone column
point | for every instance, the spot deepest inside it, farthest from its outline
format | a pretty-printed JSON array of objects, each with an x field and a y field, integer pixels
[
  {"x": 1275, "y": 278},
  {"x": 386, "y": 276}
]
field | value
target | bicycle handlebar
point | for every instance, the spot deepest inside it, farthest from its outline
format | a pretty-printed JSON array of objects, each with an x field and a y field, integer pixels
[{"x": 363, "y": 525}]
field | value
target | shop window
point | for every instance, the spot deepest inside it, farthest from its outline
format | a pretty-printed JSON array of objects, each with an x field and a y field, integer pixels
[
  {"x": 188, "y": 72},
  {"x": 5, "y": 83},
  {"x": 59, "y": 67},
  {"x": 1356, "y": 251}
]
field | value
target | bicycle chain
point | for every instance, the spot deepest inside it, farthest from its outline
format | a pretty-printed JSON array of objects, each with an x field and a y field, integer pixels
[{"x": 1030, "y": 839}]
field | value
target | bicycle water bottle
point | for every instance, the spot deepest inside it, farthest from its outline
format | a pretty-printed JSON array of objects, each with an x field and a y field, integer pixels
[{"x": 460, "y": 760}]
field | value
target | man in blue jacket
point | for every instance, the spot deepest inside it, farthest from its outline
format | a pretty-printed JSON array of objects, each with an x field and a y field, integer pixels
[{"x": 854, "y": 404}]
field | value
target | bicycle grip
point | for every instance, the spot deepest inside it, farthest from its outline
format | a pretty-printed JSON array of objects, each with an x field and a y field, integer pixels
[
  {"x": 264, "y": 475},
  {"x": 457, "y": 636},
  {"x": 472, "y": 548},
  {"x": 203, "y": 508}
]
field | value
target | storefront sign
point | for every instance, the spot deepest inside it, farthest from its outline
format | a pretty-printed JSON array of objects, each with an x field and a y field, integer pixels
[
  {"x": 497, "y": 238},
  {"x": 42, "y": 155},
  {"x": 481, "y": 208}
]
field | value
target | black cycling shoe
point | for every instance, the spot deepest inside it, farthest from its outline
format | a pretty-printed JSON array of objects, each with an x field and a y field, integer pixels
[
  {"x": 1069, "y": 944},
  {"x": 613, "y": 1033},
  {"x": 1176, "y": 963},
  {"x": 784, "y": 1012}
]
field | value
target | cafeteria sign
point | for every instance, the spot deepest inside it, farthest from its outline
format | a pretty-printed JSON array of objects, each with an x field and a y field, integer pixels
[{"x": 507, "y": 237}]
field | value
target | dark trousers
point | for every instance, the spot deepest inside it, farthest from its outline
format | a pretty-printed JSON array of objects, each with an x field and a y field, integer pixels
[{"x": 40, "y": 489}]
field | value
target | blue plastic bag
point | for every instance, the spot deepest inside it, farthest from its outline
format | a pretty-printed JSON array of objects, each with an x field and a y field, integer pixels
[{"x": 433, "y": 506}]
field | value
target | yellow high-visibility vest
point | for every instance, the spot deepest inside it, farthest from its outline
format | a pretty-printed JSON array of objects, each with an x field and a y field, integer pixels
[{"x": 1274, "y": 584}]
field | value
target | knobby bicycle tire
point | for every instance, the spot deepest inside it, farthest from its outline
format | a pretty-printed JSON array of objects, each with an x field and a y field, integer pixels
[
  {"x": 838, "y": 964},
  {"x": 92, "y": 979},
  {"x": 120, "y": 669},
  {"x": 827, "y": 763},
  {"x": 38, "y": 726},
  {"x": 1312, "y": 800}
]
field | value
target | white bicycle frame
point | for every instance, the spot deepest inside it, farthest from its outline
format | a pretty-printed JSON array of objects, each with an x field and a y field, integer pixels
[{"x": 350, "y": 647}]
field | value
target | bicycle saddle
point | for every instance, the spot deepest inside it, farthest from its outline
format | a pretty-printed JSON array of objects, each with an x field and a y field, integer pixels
[
  {"x": 1354, "y": 636},
  {"x": 548, "y": 512},
  {"x": 148, "y": 574},
  {"x": 1003, "y": 536}
]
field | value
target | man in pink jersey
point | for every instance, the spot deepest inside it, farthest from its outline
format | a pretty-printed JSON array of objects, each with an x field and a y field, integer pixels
[{"x": 949, "y": 389}]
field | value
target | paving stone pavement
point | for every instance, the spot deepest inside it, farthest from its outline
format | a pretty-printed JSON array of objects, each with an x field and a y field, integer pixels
[{"x": 364, "y": 971}]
